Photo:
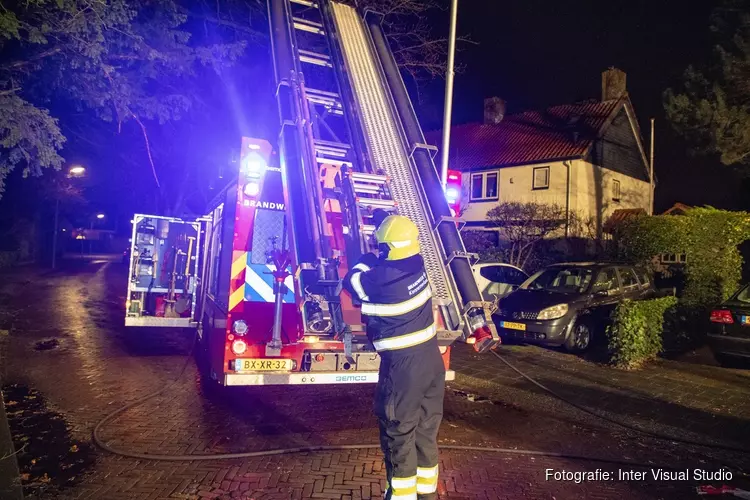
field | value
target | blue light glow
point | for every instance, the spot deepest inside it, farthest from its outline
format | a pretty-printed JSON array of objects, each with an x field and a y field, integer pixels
[{"x": 253, "y": 165}]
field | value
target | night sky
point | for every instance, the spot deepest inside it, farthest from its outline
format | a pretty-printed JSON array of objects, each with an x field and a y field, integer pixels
[
  {"x": 531, "y": 53},
  {"x": 538, "y": 53}
]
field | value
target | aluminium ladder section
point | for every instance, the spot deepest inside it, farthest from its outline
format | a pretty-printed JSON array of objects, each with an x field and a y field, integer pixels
[
  {"x": 387, "y": 148},
  {"x": 363, "y": 191},
  {"x": 349, "y": 185}
]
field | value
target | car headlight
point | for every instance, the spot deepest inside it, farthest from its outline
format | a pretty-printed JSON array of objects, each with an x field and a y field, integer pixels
[{"x": 553, "y": 312}]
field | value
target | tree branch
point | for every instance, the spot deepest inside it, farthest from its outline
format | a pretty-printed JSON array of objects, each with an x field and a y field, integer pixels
[
  {"x": 31, "y": 59},
  {"x": 231, "y": 24}
]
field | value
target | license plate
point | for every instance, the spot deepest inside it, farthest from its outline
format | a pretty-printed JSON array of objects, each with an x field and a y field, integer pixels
[
  {"x": 745, "y": 320},
  {"x": 512, "y": 326},
  {"x": 263, "y": 365}
]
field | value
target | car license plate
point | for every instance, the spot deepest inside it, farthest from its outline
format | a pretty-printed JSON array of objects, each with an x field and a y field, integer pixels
[
  {"x": 512, "y": 326},
  {"x": 745, "y": 320},
  {"x": 263, "y": 365}
]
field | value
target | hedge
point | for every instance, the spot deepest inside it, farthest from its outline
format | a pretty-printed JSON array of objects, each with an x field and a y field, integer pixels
[{"x": 635, "y": 335}]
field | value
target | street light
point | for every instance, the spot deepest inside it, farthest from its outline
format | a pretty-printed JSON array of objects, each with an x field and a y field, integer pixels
[
  {"x": 99, "y": 216},
  {"x": 74, "y": 171}
]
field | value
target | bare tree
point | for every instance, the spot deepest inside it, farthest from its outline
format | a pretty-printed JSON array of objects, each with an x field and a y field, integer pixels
[
  {"x": 405, "y": 22},
  {"x": 523, "y": 226},
  {"x": 417, "y": 51}
]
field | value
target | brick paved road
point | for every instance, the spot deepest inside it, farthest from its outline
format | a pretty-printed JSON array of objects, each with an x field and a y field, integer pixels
[{"x": 98, "y": 366}]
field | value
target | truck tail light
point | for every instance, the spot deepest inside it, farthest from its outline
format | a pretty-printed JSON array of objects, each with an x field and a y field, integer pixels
[{"x": 239, "y": 347}]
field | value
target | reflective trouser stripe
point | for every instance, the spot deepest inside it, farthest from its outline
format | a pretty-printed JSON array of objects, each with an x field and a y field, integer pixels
[
  {"x": 404, "y": 341},
  {"x": 402, "y": 488},
  {"x": 427, "y": 479},
  {"x": 404, "y": 307}
]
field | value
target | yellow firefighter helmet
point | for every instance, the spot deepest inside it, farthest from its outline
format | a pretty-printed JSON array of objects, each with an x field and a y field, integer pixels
[{"x": 400, "y": 235}]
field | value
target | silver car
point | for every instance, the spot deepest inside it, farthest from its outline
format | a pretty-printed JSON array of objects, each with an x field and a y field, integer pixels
[{"x": 496, "y": 280}]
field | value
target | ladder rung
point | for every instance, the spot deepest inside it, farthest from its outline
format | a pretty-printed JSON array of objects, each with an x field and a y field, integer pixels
[
  {"x": 336, "y": 149},
  {"x": 368, "y": 228},
  {"x": 374, "y": 202},
  {"x": 309, "y": 26},
  {"x": 334, "y": 107},
  {"x": 315, "y": 58},
  {"x": 322, "y": 93},
  {"x": 365, "y": 177},
  {"x": 306, "y": 3},
  {"x": 366, "y": 188},
  {"x": 330, "y": 99},
  {"x": 331, "y": 161}
]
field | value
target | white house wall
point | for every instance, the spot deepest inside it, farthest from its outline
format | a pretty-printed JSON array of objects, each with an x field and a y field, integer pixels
[
  {"x": 516, "y": 184},
  {"x": 590, "y": 190},
  {"x": 595, "y": 189}
]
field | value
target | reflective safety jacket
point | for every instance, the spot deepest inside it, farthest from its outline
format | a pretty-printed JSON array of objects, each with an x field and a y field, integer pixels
[{"x": 396, "y": 301}]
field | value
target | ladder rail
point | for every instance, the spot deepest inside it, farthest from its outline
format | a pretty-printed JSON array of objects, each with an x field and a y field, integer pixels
[{"x": 387, "y": 144}]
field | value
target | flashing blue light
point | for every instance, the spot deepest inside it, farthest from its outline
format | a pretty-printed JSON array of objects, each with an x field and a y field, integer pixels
[
  {"x": 451, "y": 194},
  {"x": 253, "y": 165}
]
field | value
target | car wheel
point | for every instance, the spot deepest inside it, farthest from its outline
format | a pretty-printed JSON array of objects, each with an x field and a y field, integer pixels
[{"x": 579, "y": 338}]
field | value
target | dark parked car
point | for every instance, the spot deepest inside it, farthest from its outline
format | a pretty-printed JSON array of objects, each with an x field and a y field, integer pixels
[
  {"x": 729, "y": 337},
  {"x": 568, "y": 304}
]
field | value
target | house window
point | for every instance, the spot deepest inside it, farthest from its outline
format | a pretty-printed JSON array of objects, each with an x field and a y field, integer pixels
[
  {"x": 484, "y": 187},
  {"x": 477, "y": 186},
  {"x": 490, "y": 186},
  {"x": 616, "y": 190},
  {"x": 541, "y": 178}
]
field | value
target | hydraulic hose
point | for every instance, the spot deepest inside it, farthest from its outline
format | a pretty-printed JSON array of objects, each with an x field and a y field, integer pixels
[{"x": 310, "y": 449}]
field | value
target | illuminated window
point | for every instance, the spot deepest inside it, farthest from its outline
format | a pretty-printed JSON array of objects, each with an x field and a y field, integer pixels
[{"x": 485, "y": 186}]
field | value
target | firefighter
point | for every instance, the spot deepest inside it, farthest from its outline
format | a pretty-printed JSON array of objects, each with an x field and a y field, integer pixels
[{"x": 397, "y": 310}]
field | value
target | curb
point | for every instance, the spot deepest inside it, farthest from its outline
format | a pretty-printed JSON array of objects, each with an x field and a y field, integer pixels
[{"x": 10, "y": 481}]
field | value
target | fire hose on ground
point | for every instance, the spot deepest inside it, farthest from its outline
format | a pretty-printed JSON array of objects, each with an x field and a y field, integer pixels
[{"x": 359, "y": 446}]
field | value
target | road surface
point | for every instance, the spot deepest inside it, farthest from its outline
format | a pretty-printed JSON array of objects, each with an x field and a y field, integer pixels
[{"x": 67, "y": 342}]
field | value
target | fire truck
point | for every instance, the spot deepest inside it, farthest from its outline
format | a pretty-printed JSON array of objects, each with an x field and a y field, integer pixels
[{"x": 260, "y": 274}]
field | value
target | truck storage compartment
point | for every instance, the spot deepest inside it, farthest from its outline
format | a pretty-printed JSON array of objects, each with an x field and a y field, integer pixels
[{"x": 163, "y": 271}]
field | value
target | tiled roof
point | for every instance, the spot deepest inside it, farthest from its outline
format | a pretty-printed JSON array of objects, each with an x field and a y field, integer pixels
[
  {"x": 620, "y": 215},
  {"x": 558, "y": 132},
  {"x": 677, "y": 208}
]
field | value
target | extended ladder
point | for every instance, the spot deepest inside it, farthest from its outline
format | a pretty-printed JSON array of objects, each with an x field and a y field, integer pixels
[{"x": 354, "y": 184}]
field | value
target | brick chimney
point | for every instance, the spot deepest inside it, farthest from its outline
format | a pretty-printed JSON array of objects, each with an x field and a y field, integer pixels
[
  {"x": 494, "y": 110},
  {"x": 613, "y": 84}
]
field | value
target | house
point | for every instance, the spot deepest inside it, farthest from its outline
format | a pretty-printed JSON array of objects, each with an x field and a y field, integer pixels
[{"x": 587, "y": 157}]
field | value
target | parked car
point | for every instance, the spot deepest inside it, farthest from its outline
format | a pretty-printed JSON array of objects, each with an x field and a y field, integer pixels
[
  {"x": 497, "y": 280},
  {"x": 729, "y": 336},
  {"x": 569, "y": 304}
]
